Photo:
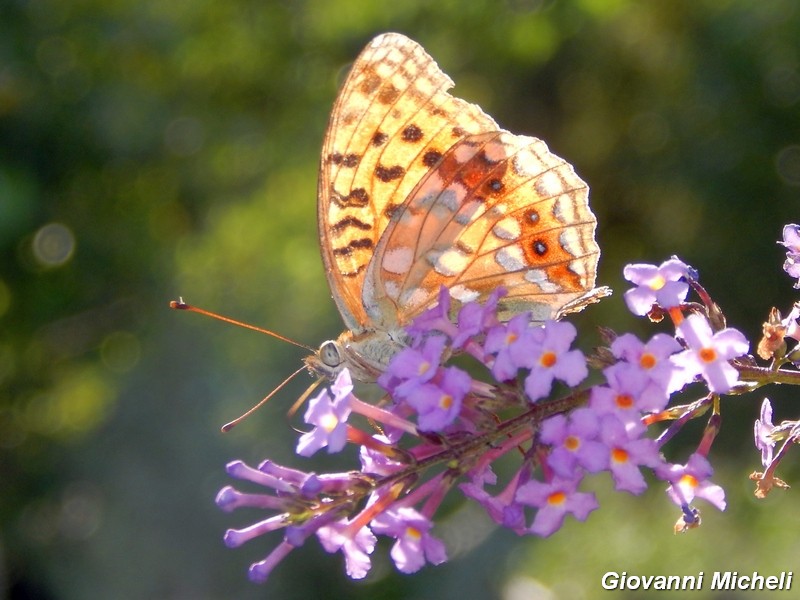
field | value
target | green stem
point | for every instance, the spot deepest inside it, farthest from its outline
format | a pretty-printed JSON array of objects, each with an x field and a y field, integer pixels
[{"x": 765, "y": 375}]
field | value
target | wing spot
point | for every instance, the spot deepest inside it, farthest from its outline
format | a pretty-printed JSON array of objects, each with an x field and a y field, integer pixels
[
  {"x": 362, "y": 243},
  {"x": 388, "y": 94},
  {"x": 398, "y": 260},
  {"x": 344, "y": 160},
  {"x": 510, "y": 258},
  {"x": 450, "y": 262},
  {"x": 371, "y": 82},
  {"x": 458, "y": 132},
  {"x": 495, "y": 185},
  {"x": 357, "y": 197},
  {"x": 549, "y": 184},
  {"x": 463, "y": 294},
  {"x": 507, "y": 229},
  {"x": 412, "y": 133},
  {"x": 532, "y": 216},
  {"x": 539, "y": 247},
  {"x": 431, "y": 158},
  {"x": 539, "y": 277},
  {"x": 379, "y": 139},
  {"x": 387, "y": 174},
  {"x": 339, "y": 226}
]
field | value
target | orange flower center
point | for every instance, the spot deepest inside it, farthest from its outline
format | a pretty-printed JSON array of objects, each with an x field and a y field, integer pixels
[
  {"x": 647, "y": 361},
  {"x": 624, "y": 401},
  {"x": 511, "y": 338},
  {"x": 689, "y": 481},
  {"x": 548, "y": 359},
  {"x": 423, "y": 367},
  {"x": 413, "y": 532},
  {"x": 708, "y": 355},
  {"x": 446, "y": 401},
  {"x": 556, "y": 498},
  {"x": 619, "y": 455},
  {"x": 572, "y": 443}
]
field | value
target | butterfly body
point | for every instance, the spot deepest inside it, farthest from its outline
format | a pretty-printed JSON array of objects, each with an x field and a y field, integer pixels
[{"x": 419, "y": 190}]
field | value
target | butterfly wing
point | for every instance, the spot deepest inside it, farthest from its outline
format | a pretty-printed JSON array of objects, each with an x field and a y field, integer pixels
[
  {"x": 392, "y": 122},
  {"x": 497, "y": 210}
]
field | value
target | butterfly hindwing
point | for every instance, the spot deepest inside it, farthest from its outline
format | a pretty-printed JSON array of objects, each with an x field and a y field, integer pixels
[{"x": 499, "y": 209}]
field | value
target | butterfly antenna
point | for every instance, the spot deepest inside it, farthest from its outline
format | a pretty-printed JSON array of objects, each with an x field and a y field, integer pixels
[
  {"x": 181, "y": 305},
  {"x": 228, "y": 426},
  {"x": 301, "y": 400}
]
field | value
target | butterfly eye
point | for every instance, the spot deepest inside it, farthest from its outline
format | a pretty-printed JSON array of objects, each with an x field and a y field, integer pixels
[{"x": 329, "y": 354}]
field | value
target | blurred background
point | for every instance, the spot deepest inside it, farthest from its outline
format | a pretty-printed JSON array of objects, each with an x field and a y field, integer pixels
[{"x": 154, "y": 149}]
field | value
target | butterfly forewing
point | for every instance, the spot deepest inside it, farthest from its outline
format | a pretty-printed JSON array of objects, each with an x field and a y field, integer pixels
[{"x": 392, "y": 121}]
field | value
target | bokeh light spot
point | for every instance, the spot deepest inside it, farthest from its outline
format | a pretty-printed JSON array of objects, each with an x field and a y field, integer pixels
[{"x": 53, "y": 245}]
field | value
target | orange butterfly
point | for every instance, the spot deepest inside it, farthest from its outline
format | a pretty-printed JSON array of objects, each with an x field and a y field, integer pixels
[{"x": 418, "y": 190}]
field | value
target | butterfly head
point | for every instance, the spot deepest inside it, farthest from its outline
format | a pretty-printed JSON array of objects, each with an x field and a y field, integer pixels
[{"x": 327, "y": 361}]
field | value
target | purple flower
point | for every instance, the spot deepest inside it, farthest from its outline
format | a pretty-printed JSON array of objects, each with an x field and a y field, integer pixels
[
  {"x": 413, "y": 366},
  {"x": 762, "y": 430},
  {"x": 791, "y": 239},
  {"x": 573, "y": 439},
  {"x": 415, "y": 545},
  {"x": 555, "y": 500},
  {"x": 656, "y": 285},
  {"x": 439, "y": 403},
  {"x": 509, "y": 343},
  {"x": 691, "y": 481},
  {"x": 329, "y": 415},
  {"x": 627, "y": 451},
  {"x": 708, "y": 353},
  {"x": 293, "y": 489},
  {"x": 652, "y": 360},
  {"x": 621, "y": 395},
  {"x": 355, "y": 547},
  {"x": 551, "y": 359}
]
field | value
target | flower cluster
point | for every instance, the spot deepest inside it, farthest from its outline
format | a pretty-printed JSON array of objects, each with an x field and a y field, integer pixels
[
  {"x": 443, "y": 427},
  {"x": 778, "y": 333}
]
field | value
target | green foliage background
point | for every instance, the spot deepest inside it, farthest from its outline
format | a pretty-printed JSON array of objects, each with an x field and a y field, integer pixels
[{"x": 175, "y": 144}]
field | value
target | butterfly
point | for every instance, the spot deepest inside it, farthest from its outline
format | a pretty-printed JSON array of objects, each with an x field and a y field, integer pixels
[{"x": 419, "y": 189}]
